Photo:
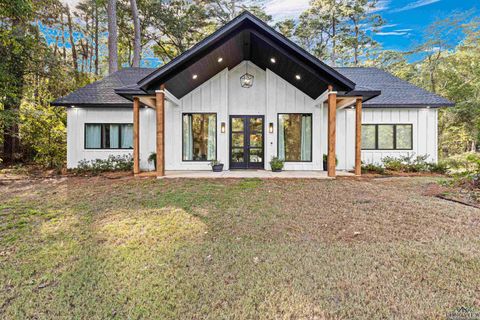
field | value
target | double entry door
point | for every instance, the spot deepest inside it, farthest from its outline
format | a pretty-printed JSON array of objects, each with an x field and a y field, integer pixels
[{"x": 247, "y": 142}]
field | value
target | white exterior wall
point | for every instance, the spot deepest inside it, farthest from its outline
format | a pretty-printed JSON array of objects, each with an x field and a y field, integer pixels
[
  {"x": 78, "y": 117},
  {"x": 269, "y": 96},
  {"x": 425, "y": 131}
]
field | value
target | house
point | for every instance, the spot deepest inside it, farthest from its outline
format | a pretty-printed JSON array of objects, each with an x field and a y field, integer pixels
[{"x": 244, "y": 95}]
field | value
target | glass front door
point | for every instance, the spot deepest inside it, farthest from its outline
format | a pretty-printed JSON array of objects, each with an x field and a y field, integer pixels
[{"x": 246, "y": 142}]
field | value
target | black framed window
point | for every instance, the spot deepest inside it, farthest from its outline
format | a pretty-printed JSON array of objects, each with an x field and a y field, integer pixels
[
  {"x": 387, "y": 137},
  {"x": 294, "y": 141},
  {"x": 108, "y": 136},
  {"x": 199, "y": 136}
]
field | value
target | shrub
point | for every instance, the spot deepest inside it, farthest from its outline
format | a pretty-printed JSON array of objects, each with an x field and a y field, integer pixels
[
  {"x": 407, "y": 163},
  {"x": 152, "y": 158},
  {"x": 276, "y": 163},
  {"x": 325, "y": 159},
  {"x": 112, "y": 163},
  {"x": 440, "y": 167},
  {"x": 372, "y": 168},
  {"x": 465, "y": 169},
  {"x": 466, "y": 163}
]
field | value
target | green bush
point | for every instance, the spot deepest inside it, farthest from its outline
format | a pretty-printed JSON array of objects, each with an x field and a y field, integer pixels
[
  {"x": 112, "y": 163},
  {"x": 276, "y": 163},
  {"x": 440, "y": 167},
  {"x": 465, "y": 164},
  {"x": 152, "y": 158},
  {"x": 407, "y": 163},
  {"x": 372, "y": 168}
]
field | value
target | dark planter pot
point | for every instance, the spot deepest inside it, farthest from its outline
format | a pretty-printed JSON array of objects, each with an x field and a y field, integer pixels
[
  {"x": 325, "y": 168},
  {"x": 217, "y": 168},
  {"x": 276, "y": 170}
]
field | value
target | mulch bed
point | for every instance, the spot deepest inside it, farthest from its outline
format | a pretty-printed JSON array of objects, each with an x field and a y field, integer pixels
[{"x": 466, "y": 196}]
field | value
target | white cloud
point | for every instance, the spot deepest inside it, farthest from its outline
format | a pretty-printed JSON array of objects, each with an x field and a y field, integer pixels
[
  {"x": 415, "y": 4},
  {"x": 381, "y": 5},
  {"x": 391, "y": 33},
  {"x": 281, "y": 9}
]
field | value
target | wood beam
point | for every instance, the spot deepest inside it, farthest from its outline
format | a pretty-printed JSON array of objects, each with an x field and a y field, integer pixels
[
  {"x": 160, "y": 112},
  {"x": 332, "y": 123},
  {"x": 345, "y": 102},
  {"x": 136, "y": 135},
  {"x": 358, "y": 137}
]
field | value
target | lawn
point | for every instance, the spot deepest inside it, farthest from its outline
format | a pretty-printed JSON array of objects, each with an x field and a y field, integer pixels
[{"x": 99, "y": 248}]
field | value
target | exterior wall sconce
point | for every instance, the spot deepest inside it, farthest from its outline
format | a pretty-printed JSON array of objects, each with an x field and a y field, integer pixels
[
  {"x": 222, "y": 127},
  {"x": 270, "y": 127}
]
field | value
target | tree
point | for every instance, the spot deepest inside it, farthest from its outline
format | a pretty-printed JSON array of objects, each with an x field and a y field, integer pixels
[
  {"x": 72, "y": 41},
  {"x": 286, "y": 27},
  {"x": 360, "y": 21},
  {"x": 177, "y": 25},
  {"x": 137, "y": 34},
  {"x": 225, "y": 10},
  {"x": 18, "y": 37},
  {"x": 112, "y": 36}
]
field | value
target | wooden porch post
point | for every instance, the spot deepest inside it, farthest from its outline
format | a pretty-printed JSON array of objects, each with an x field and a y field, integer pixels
[
  {"x": 332, "y": 123},
  {"x": 358, "y": 137},
  {"x": 160, "y": 104},
  {"x": 136, "y": 136}
]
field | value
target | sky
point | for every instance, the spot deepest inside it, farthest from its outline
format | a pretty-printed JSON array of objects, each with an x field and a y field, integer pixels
[{"x": 405, "y": 20}]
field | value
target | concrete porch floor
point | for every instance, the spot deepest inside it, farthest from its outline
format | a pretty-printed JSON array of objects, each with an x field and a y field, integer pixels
[{"x": 244, "y": 174}]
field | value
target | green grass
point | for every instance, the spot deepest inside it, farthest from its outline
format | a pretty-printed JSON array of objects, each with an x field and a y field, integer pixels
[{"x": 234, "y": 249}]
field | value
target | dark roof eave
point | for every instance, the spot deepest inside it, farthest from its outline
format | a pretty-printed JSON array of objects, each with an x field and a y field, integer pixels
[
  {"x": 91, "y": 105},
  {"x": 366, "y": 94},
  {"x": 409, "y": 105},
  {"x": 143, "y": 83}
]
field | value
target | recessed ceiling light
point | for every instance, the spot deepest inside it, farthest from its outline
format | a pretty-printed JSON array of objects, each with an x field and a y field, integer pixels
[
  {"x": 298, "y": 77},
  {"x": 220, "y": 59},
  {"x": 273, "y": 60},
  {"x": 194, "y": 77}
]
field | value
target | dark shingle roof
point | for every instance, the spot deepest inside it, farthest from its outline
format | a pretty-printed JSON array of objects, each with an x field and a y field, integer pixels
[
  {"x": 101, "y": 93},
  {"x": 394, "y": 91}
]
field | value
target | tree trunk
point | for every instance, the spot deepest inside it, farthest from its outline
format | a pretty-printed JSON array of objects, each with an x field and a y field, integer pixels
[
  {"x": 96, "y": 38},
  {"x": 11, "y": 104},
  {"x": 334, "y": 41},
  {"x": 355, "y": 53},
  {"x": 112, "y": 36},
  {"x": 137, "y": 34},
  {"x": 63, "y": 36},
  {"x": 72, "y": 41}
]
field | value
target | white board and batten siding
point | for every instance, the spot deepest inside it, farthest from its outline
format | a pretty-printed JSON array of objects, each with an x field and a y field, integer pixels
[
  {"x": 269, "y": 96},
  {"x": 78, "y": 117},
  {"x": 425, "y": 131}
]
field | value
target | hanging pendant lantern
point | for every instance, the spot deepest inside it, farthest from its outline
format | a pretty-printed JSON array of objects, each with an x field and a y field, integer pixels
[{"x": 246, "y": 81}]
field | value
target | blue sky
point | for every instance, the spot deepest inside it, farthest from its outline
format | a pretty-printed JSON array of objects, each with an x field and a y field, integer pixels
[{"x": 406, "y": 20}]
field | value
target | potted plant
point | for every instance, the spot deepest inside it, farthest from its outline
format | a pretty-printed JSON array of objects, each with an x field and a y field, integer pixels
[
  {"x": 217, "y": 166},
  {"x": 153, "y": 158},
  {"x": 325, "y": 162},
  {"x": 276, "y": 164}
]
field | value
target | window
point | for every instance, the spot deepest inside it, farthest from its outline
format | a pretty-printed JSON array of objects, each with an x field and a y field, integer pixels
[
  {"x": 199, "y": 137},
  {"x": 108, "y": 136},
  {"x": 387, "y": 137},
  {"x": 295, "y": 137}
]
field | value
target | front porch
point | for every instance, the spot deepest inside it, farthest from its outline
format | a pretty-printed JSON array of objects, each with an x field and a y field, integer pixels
[{"x": 245, "y": 174}]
